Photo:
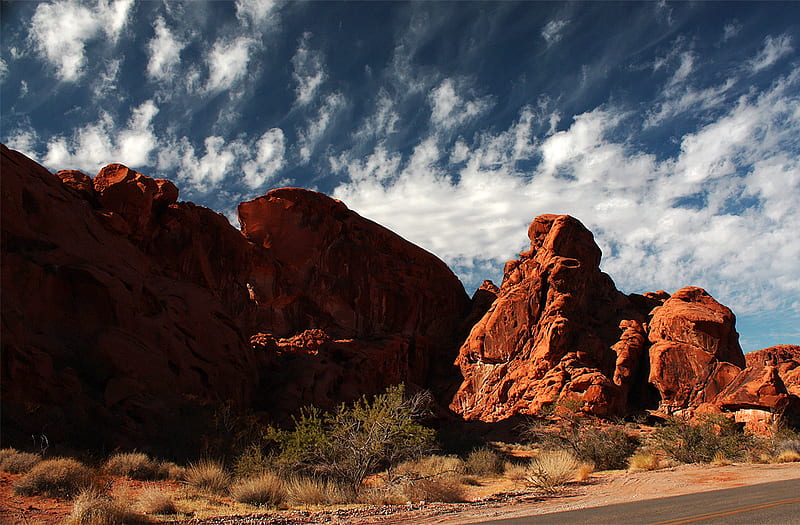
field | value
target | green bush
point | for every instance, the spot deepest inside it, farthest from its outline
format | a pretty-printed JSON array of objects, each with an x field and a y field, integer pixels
[
  {"x": 355, "y": 441},
  {"x": 606, "y": 447},
  {"x": 700, "y": 442}
]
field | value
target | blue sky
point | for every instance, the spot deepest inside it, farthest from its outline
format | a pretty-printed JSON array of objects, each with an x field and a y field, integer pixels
[{"x": 672, "y": 130}]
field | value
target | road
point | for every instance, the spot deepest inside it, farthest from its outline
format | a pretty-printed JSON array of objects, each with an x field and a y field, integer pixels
[{"x": 777, "y": 502}]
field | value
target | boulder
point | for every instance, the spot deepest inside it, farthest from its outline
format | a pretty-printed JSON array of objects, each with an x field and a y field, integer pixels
[{"x": 695, "y": 349}]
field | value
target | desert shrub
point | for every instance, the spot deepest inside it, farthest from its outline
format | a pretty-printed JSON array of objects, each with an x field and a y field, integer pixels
[
  {"x": 264, "y": 489},
  {"x": 15, "y": 462},
  {"x": 154, "y": 500},
  {"x": 700, "y": 442},
  {"x": 552, "y": 469},
  {"x": 792, "y": 445},
  {"x": 208, "y": 475},
  {"x": 787, "y": 456},
  {"x": 92, "y": 507},
  {"x": 59, "y": 477},
  {"x": 483, "y": 462},
  {"x": 644, "y": 460},
  {"x": 605, "y": 447},
  {"x": 355, "y": 441},
  {"x": 252, "y": 462},
  {"x": 302, "y": 490}
]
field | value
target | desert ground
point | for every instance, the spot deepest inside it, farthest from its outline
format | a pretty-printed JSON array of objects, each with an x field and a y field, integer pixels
[{"x": 491, "y": 499}]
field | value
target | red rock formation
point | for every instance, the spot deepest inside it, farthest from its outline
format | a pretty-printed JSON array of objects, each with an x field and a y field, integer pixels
[
  {"x": 695, "y": 351},
  {"x": 99, "y": 344},
  {"x": 786, "y": 359},
  {"x": 122, "y": 308},
  {"x": 559, "y": 330}
]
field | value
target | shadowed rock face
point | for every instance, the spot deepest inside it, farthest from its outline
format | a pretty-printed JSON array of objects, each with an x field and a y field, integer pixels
[{"x": 124, "y": 312}]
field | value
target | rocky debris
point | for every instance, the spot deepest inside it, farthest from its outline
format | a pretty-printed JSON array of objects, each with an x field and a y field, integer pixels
[
  {"x": 559, "y": 330},
  {"x": 126, "y": 313}
]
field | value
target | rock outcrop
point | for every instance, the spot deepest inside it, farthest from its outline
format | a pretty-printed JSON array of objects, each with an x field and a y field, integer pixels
[
  {"x": 558, "y": 331},
  {"x": 127, "y": 315}
]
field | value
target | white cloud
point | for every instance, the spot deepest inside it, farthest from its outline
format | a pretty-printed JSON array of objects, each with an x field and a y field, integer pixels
[
  {"x": 449, "y": 109},
  {"x": 661, "y": 222},
  {"x": 309, "y": 71},
  {"x": 317, "y": 127},
  {"x": 93, "y": 146},
  {"x": 257, "y": 12},
  {"x": 164, "y": 52},
  {"x": 270, "y": 149},
  {"x": 730, "y": 30},
  {"x": 3, "y": 70},
  {"x": 774, "y": 49},
  {"x": 382, "y": 122},
  {"x": 227, "y": 63},
  {"x": 552, "y": 32},
  {"x": 60, "y": 31},
  {"x": 24, "y": 141}
]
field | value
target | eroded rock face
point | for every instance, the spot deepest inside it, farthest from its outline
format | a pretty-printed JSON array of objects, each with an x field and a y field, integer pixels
[
  {"x": 558, "y": 330},
  {"x": 100, "y": 345},
  {"x": 125, "y": 313},
  {"x": 695, "y": 349}
]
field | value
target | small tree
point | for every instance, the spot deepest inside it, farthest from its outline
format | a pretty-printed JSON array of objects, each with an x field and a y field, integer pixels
[{"x": 355, "y": 441}]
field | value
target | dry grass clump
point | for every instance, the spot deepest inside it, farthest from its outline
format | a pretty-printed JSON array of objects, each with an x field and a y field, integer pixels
[
  {"x": 446, "y": 489},
  {"x": 153, "y": 500},
  {"x": 265, "y": 489},
  {"x": 140, "y": 466},
  {"x": 515, "y": 471},
  {"x": 133, "y": 465},
  {"x": 59, "y": 477},
  {"x": 316, "y": 491},
  {"x": 207, "y": 474},
  {"x": 787, "y": 456},
  {"x": 483, "y": 462},
  {"x": 552, "y": 469},
  {"x": 644, "y": 460},
  {"x": 95, "y": 508},
  {"x": 430, "y": 466},
  {"x": 15, "y": 462}
]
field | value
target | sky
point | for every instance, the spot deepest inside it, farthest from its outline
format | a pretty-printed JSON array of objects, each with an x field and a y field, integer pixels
[{"x": 671, "y": 130}]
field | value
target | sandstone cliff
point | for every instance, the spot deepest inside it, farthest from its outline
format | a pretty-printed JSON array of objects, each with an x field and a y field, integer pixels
[{"x": 125, "y": 314}]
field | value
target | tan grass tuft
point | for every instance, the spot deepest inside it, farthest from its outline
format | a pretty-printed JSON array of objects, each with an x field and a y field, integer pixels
[
  {"x": 787, "y": 456},
  {"x": 59, "y": 477},
  {"x": 133, "y": 465},
  {"x": 154, "y": 500},
  {"x": 94, "y": 508},
  {"x": 313, "y": 491},
  {"x": 515, "y": 471},
  {"x": 446, "y": 489},
  {"x": 483, "y": 462},
  {"x": 644, "y": 461},
  {"x": 584, "y": 471},
  {"x": 552, "y": 469},
  {"x": 208, "y": 475},
  {"x": 264, "y": 489},
  {"x": 15, "y": 462}
]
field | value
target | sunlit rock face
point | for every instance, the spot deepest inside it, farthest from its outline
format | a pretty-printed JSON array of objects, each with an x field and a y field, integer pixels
[
  {"x": 127, "y": 314},
  {"x": 559, "y": 332}
]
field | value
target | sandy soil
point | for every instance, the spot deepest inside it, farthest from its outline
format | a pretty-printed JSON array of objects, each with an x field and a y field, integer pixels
[{"x": 492, "y": 500}]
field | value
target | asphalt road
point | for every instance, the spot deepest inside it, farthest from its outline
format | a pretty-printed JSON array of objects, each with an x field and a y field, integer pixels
[{"x": 777, "y": 502}]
